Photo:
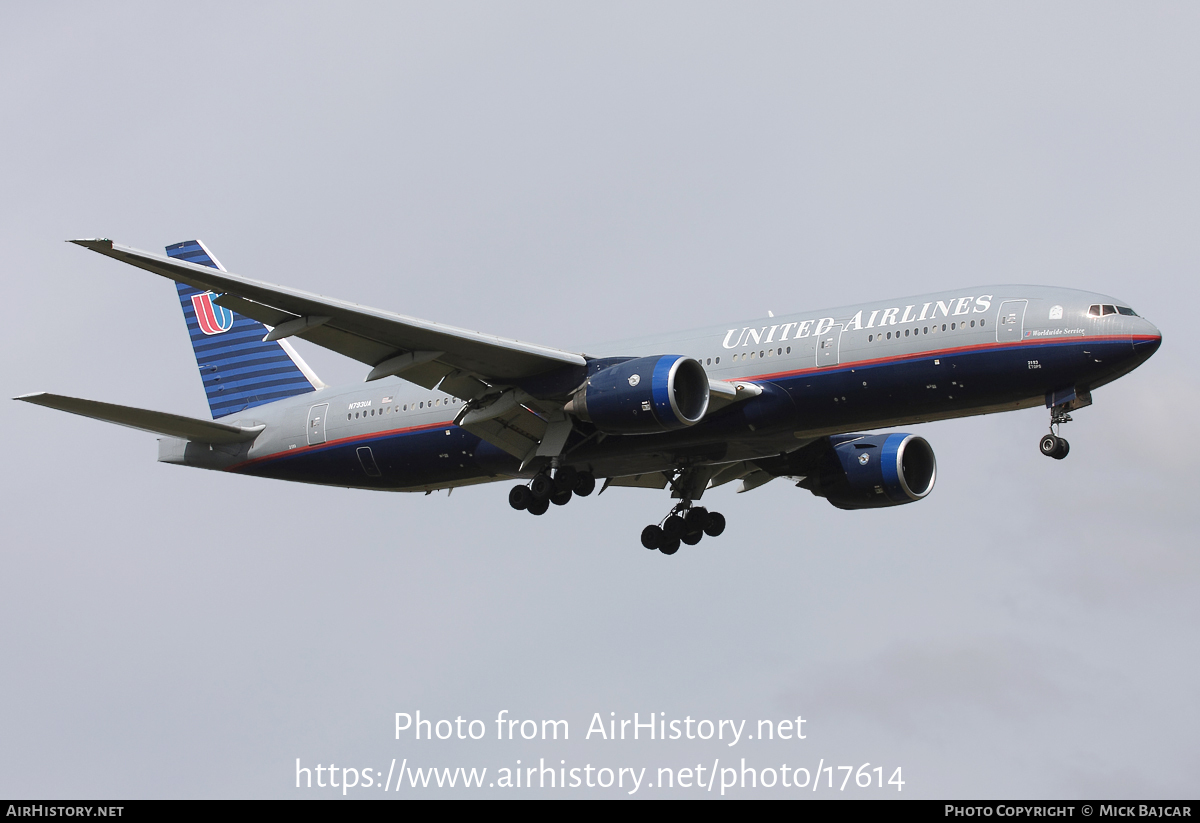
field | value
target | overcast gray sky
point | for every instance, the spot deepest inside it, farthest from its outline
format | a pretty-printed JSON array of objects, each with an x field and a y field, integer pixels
[{"x": 565, "y": 173}]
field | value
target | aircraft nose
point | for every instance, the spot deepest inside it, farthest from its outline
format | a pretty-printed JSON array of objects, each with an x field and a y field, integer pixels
[{"x": 1146, "y": 340}]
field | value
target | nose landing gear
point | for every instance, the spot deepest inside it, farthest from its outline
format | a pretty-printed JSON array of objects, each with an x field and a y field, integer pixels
[{"x": 1052, "y": 445}]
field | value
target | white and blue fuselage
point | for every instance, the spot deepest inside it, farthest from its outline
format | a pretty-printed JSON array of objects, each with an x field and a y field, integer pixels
[{"x": 860, "y": 367}]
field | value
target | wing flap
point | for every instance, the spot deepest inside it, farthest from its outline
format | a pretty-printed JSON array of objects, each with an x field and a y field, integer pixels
[
  {"x": 653, "y": 480},
  {"x": 515, "y": 428},
  {"x": 173, "y": 425}
]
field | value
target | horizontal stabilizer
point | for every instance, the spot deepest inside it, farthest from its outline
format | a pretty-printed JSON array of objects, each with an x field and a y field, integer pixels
[{"x": 175, "y": 425}]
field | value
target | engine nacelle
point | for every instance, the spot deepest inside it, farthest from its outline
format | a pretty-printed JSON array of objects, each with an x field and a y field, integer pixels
[
  {"x": 644, "y": 396},
  {"x": 872, "y": 471}
]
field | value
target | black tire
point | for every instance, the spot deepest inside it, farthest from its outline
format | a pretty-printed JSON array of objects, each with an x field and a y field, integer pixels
[
  {"x": 674, "y": 527},
  {"x": 697, "y": 518},
  {"x": 1048, "y": 445},
  {"x": 585, "y": 484},
  {"x": 561, "y": 498},
  {"x": 692, "y": 538},
  {"x": 538, "y": 506},
  {"x": 716, "y": 524},
  {"x": 669, "y": 545},
  {"x": 519, "y": 497},
  {"x": 564, "y": 478},
  {"x": 1064, "y": 448},
  {"x": 652, "y": 536},
  {"x": 541, "y": 486}
]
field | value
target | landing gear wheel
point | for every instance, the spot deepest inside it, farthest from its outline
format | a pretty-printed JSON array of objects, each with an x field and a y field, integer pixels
[
  {"x": 585, "y": 484},
  {"x": 1064, "y": 448},
  {"x": 674, "y": 527},
  {"x": 519, "y": 497},
  {"x": 669, "y": 545},
  {"x": 561, "y": 498},
  {"x": 692, "y": 538},
  {"x": 715, "y": 525},
  {"x": 696, "y": 518},
  {"x": 1048, "y": 445},
  {"x": 652, "y": 537},
  {"x": 564, "y": 479},
  {"x": 538, "y": 506},
  {"x": 541, "y": 486}
]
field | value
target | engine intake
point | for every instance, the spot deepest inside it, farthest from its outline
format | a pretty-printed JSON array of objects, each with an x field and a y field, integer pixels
[
  {"x": 644, "y": 395},
  {"x": 873, "y": 471}
]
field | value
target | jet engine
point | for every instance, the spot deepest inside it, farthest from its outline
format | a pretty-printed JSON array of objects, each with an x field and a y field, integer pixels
[
  {"x": 872, "y": 471},
  {"x": 645, "y": 395}
]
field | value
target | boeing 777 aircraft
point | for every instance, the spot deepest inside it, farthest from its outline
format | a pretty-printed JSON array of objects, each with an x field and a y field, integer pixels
[{"x": 443, "y": 407}]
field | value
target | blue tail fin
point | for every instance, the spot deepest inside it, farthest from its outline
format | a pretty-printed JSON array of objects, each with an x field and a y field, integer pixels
[{"x": 239, "y": 370}]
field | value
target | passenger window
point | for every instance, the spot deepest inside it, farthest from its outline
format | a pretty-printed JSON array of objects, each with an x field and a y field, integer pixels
[
  {"x": 972, "y": 324},
  {"x": 943, "y": 327},
  {"x": 981, "y": 322},
  {"x": 718, "y": 361},
  {"x": 789, "y": 349},
  {"x": 906, "y": 332}
]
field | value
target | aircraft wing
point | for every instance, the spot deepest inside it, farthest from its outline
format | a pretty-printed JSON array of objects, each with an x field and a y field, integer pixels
[{"x": 464, "y": 362}]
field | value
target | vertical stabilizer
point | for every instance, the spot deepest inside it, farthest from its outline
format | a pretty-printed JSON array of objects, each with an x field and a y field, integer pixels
[{"x": 238, "y": 369}]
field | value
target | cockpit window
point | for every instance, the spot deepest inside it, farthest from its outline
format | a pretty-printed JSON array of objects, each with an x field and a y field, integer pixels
[
  {"x": 1107, "y": 309},
  {"x": 1125, "y": 310},
  {"x": 1094, "y": 310}
]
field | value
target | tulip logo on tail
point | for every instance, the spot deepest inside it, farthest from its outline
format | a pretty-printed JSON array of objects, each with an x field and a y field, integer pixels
[{"x": 213, "y": 319}]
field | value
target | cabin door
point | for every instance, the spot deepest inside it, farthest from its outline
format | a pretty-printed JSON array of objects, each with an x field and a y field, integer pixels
[
  {"x": 829, "y": 346},
  {"x": 316, "y": 424},
  {"x": 1010, "y": 322}
]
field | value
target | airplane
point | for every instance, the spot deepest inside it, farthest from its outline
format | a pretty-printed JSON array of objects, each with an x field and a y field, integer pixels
[{"x": 789, "y": 396}]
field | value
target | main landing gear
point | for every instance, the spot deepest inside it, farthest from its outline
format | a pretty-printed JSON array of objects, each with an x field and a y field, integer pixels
[
  {"x": 1051, "y": 444},
  {"x": 685, "y": 524},
  {"x": 544, "y": 490}
]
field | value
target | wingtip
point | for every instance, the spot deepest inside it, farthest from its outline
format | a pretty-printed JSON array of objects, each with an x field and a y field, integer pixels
[
  {"x": 94, "y": 243},
  {"x": 29, "y": 397}
]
